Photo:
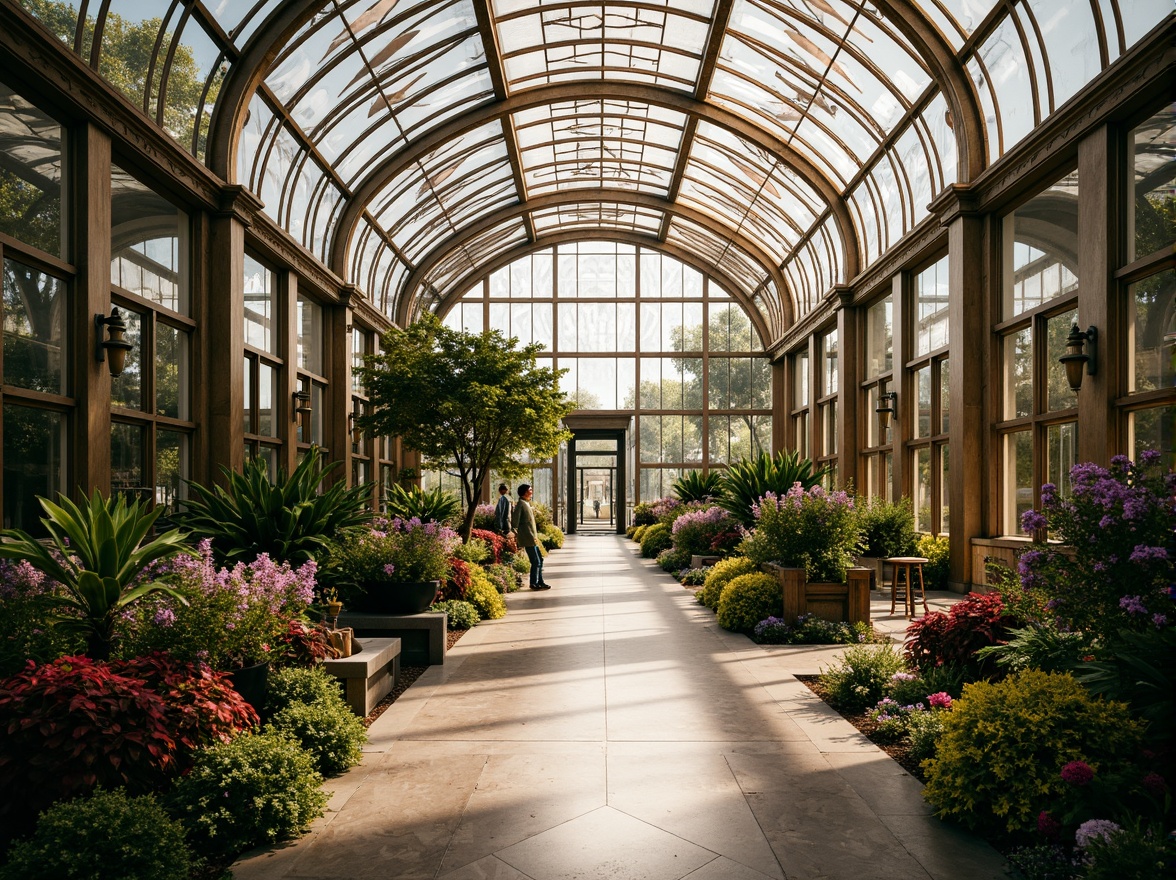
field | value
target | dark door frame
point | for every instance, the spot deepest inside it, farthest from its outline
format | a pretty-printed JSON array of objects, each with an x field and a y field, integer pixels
[{"x": 597, "y": 426}]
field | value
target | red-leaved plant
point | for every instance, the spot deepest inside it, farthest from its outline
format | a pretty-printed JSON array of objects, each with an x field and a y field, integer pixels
[
  {"x": 458, "y": 579},
  {"x": 954, "y": 638},
  {"x": 73, "y": 724},
  {"x": 496, "y": 542},
  {"x": 303, "y": 645}
]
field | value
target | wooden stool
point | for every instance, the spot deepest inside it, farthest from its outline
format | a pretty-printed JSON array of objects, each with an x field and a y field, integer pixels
[{"x": 906, "y": 564}]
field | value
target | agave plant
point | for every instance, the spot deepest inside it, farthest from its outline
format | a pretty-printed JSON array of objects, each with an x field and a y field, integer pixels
[
  {"x": 96, "y": 552},
  {"x": 746, "y": 481},
  {"x": 432, "y": 506},
  {"x": 694, "y": 486},
  {"x": 289, "y": 518}
]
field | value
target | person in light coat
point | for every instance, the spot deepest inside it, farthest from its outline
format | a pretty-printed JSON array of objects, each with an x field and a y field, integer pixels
[{"x": 527, "y": 536}]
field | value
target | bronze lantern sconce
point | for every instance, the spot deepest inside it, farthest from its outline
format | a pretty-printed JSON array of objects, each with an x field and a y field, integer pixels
[
  {"x": 111, "y": 345},
  {"x": 302, "y": 405},
  {"x": 1081, "y": 348},
  {"x": 887, "y": 404}
]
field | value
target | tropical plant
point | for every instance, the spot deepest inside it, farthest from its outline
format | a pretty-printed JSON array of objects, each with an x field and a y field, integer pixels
[
  {"x": 288, "y": 519},
  {"x": 96, "y": 552},
  {"x": 811, "y": 529},
  {"x": 696, "y": 486},
  {"x": 254, "y": 790},
  {"x": 746, "y": 481},
  {"x": 109, "y": 834},
  {"x": 435, "y": 505},
  {"x": 888, "y": 527},
  {"x": 1039, "y": 646},
  {"x": 470, "y": 403}
]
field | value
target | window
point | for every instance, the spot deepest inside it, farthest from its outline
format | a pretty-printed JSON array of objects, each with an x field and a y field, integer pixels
[
  {"x": 827, "y": 385},
  {"x": 263, "y": 366},
  {"x": 800, "y": 402},
  {"x": 879, "y": 359},
  {"x": 151, "y": 400},
  {"x": 1037, "y": 423},
  {"x": 362, "y": 446},
  {"x": 1149, "y": 405},
  {"x": 929, "y": 395},
  {"x": 311, "y": 377}
]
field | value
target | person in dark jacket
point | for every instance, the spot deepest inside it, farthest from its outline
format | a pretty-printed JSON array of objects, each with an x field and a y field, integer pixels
[
  {"x": 502, "y": 509},
  {"x": 527, "y": 536}
]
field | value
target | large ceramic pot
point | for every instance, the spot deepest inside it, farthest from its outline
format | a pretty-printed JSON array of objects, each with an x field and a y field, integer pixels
[
  {"x": 251, "y": 683},
  {"x": 404, "y": 598}
]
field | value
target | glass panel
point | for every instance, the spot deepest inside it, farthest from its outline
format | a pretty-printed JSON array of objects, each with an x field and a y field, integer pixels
[
  {"x": 34, "y": 329},
  {"x": 1152, "y": 324},
  {"x": 1154, "y": 429},
  {"x": 922, "y": 414},
  {"x": 829, "y": 375},
  {"x": 801, "y": 433},
  {"x": 34, "y": 445},
  {"x": 310, "y": 336},
  {"x": 171, "y": 371},
  {"x": 1018, "y": 374},
  {"x": 879, "y": 338},
  {"x": 267, "y": 392},
  {"x": 126, "y": 390},
  {"x": 171, "y": 469},
  {"x": 148, "y": 243},
  {"x": 800, "y": 375},
  {"x": 931, "y": 296},
  {"x": 317, "y": 415},
  {"x": 871, "y": 416},
  {"x": 1018, "y": 479},
  {"x": 260, "y": 289},
  {"x": 1059, "y": 395},
  {"x": 1041, "y": 249},
  {"x": 829, "y": 428},
  {"x": 128, "y": 445},
  {"x": 922, "y": 499},
  {"x": 944, "y": 396},
  {"x": 1061, "y": 454},
  {"x": 247, "y": 414},
  {"x": 30, "y": 174},
  {"x": 1153, "y": 222},
  {"x": 944, "y": 489}
]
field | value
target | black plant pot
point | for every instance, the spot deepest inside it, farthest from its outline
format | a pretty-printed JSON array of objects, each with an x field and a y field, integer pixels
[
  {"x": 251, "y": 683},
  {"x": 405, "y": 598}
]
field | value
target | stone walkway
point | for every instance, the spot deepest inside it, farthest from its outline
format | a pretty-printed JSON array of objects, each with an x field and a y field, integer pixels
[{"x": 609, "y": 729}]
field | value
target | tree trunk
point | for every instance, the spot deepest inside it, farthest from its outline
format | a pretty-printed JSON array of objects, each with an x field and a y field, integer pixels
[{"x": 467, "y": 524}]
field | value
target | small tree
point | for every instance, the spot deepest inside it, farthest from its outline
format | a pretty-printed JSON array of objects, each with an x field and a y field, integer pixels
[{"x": 470, "y": 403}]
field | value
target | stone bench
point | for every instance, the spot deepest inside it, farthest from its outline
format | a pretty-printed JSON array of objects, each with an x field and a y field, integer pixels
[
  {"x": 422, "y": 635},
  {"x": 369, "y": 674}
]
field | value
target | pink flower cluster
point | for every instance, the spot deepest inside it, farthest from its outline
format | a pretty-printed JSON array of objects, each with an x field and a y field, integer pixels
[
  {"x": 1077, "y": 773},
  {"x": 941, "y": 700}
]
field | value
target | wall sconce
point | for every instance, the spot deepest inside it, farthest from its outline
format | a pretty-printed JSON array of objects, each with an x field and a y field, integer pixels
[
  {"x": 887, "y": 401},
  {"x": 302, "y": 403},
  {"x": 115, "y": 344},
  {"x": 1075, "y": 357},
  {"x": 353, "y": 424}
]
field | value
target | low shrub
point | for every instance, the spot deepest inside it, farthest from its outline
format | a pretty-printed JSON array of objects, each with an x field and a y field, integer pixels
[
  {"x": 639, "y": 532},
  {"x": 811, "y": 630},
  {"x": 504, "y": 578},
  {"x": 978, "y": 621},
  {"x": 1042, "y": 647},
  {"x": 520, "y": 563},
  {"x": 75, "y": 724},
  {"x": 748, "y": 599},
  {"x": 1004, "y": 744},
  {"x": 862, "y": 676},
  {"x": 673, "y": 560},
  {"x": 643, "y": 514},
  {"x": 552, "y": 537},
  {"x": 485, "y": 519},
  {"x": 706, "y": 530},
  {"x": 924, "y": 729},
  {"x": 656, "y": 539},
  {"x": 1134, "y": 851},
  {"x": 484, "y": 596},
  {"x": 814, "y": 530},
  {"x": 629, "y": 530},
  {"x": 294, "y": 687},
  {"x": 543, "y": 517},
  {"x": 500, "y": 546},
  {"x": 723, "y": 571},
  {"x": 936, "y": 549},
  {"x": 110, "y": 835},
  {"x": 24, "y": 635},
  {"x": 474, "y": 550},
  {"x": 894, "y": 718},
  {"x": 695, "y": 577},
  {"x": 459, "y": 614},
  {"x": 327, "y": 730},
  {"x": 888, "y": 527},
  {"x": 251, "y": 791}
]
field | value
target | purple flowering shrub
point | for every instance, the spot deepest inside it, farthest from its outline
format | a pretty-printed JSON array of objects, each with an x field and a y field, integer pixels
[
  {"x": 24, "y": 633},
  {"x": 811, "y": 529},
  {"x": 234, "y": 617},
  {"x": 393, "y": 551},
  {"x": 705, "y": 531},
  {"x": 1117, "y": 524}
]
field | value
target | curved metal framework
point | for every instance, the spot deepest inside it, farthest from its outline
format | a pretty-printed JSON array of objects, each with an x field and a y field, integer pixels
[{"x": 787, "y": 143}]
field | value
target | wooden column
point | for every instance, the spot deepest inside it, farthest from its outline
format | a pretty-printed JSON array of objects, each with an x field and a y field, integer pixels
[
  {"x": 337, "y": 360},
  {"x": 780, "y": 397},
  {"x": 90, "y": 431},
  {"x": 1099, "y": 164},
  {"x": 286, "y": 302},
  {"x": 849, "y": 464},
  {"x": 221, "y": 335},
  {"x": 900, "y": 426},
  {"x": 968, "y": 330}
]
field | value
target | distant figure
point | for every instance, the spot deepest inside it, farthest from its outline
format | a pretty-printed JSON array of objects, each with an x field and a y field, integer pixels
[
  {"x": 523, "y": 520},
  {"x": 596, "y": 507},
  {"x": 502, "y": 509}
]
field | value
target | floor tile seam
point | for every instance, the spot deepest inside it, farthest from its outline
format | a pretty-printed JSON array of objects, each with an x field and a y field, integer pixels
[
  {"x": 461, "y": 814},
  {"x": 755, "y": 817}
]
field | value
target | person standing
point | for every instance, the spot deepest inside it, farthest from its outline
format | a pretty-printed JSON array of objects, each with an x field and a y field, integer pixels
[
  {"x": 527, "y": 536},
  {"x": 502, "y": 509}
]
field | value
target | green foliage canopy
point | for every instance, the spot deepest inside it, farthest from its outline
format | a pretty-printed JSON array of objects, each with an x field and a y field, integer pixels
[{"x": 469, "y": 403}]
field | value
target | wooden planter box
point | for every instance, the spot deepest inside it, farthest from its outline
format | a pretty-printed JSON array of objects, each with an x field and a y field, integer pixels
[
  {"x": 849, "y": 601},
  {"x": 878, "y": 570}
]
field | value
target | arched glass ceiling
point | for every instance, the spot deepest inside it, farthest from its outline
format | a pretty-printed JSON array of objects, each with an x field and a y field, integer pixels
[{"x": 787, "y": 142}]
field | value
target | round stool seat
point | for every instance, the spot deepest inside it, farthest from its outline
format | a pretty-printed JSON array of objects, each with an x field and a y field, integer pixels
[{"x": 907, "y": 564}]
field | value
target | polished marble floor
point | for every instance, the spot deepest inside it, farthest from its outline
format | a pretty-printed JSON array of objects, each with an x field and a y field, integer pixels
[{"x": 609, "y": 729}]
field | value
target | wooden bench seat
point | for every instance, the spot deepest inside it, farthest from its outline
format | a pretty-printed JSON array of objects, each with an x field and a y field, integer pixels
[{"x": 369, "y": 674}]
